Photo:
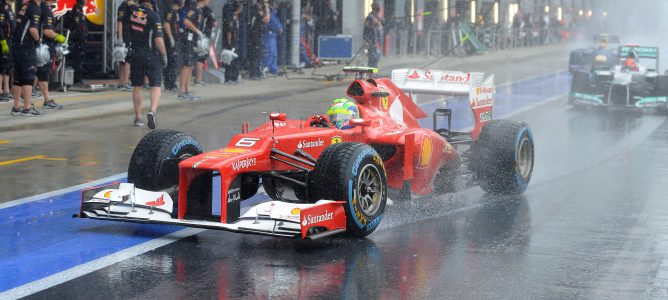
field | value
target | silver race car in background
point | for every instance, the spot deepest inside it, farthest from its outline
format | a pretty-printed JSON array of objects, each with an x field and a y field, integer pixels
[{"x": 633, "y": 82}]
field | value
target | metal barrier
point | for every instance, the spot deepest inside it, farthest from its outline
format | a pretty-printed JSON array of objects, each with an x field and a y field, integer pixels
[{"x": 457, "y": 41}]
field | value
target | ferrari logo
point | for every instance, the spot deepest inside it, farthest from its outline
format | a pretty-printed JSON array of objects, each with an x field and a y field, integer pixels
[
  {"x": 384, "y": 101},
  {"x": 336, "y": 139}
]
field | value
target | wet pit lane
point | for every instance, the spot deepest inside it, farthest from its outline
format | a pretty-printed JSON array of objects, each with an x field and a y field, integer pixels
[{"x": 592, "y": 224}]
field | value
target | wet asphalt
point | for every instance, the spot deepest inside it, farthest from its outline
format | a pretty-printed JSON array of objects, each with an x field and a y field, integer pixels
[{"x": 591, "y": 225}]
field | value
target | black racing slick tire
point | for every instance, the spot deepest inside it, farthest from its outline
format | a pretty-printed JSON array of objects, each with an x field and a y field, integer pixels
[
  {"x": 662, "y": 89},
  {"x": 154, "y": 162},
  {"x": 354, "y": 173},
  {"x": 581, "y": 83},
  {"x": 503, "y": 157}
]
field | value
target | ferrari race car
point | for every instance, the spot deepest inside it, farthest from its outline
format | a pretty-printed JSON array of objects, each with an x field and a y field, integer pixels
[
  {"x": 602, "y": 53},
  {"x": 323, "y": 180},
  {"x": 633, "y": 82}
]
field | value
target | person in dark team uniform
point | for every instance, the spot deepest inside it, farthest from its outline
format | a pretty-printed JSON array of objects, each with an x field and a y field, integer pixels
[
  {"x": 25, "y": 42},
  {"x": 7, "y": 23},
  {"x": 191, "y": 33},
  {"x": 208, "y": 23},
  {"x": 172, "y": 34},
  {"x": 50, "y": 37},
  {"x": 259, "y": 18},
  {"x": 122, "y": 32},
  {"x": 76, "y": 22},
  {"x": 147, "y": 57},
  {"x": 231, "y": 12}
]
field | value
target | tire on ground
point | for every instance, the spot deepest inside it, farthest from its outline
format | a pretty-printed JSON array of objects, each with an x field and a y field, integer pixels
[
  {"x": 662, "y": 88},
  {"x": 581, "y": 83},
  {"x": 503, "y": 157},
  {"x": 154, "y": 162},
  {"x": 354, "y": 173}
]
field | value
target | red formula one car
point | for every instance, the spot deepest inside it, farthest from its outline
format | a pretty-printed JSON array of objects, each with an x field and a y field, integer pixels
[{"x": 323, "y": 180}]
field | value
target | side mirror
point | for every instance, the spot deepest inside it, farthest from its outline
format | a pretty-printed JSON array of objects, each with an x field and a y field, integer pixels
[
  {"x": 359, "y": 122},
  {"x": 278, "y": 117},
  {"x": 380, "y": 94}
]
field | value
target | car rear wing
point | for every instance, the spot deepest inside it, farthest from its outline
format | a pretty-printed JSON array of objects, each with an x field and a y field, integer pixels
[
  {"x": 643, "y": 52},
  {"x": 606, "y": 38},
  {"x": 479, "y": 89}
]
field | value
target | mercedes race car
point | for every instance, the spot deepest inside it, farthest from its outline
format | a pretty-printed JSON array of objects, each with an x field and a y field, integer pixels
[
  {"x": 633, "y": 82},
  {"x": 604, "y": 45},
  {"x": 323, "y": 180}
]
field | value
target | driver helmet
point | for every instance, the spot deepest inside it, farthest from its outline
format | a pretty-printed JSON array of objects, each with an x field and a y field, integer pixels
[{"x": 341, "y": 112}]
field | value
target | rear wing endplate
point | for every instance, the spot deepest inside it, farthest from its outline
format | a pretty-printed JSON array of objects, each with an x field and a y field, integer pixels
[{"x": 479, "y": 89}]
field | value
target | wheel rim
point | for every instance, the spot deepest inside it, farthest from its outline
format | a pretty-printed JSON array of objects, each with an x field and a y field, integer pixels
[
  {"x": 525, "y": 159},
  {"x": 369, "y": 190}
]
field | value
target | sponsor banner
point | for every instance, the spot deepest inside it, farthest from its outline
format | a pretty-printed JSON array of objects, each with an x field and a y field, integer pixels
[
  {"x": 329, "y": 215},
  {"x": 439, "y": 76},
  {"x": 244, "y": 163},
  {"x": 303, "y": 144},
  {"x": 93, "y": 9},
  {"x": 482, "y": 93}
]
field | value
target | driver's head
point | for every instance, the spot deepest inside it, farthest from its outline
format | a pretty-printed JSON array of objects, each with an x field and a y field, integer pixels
[{"x": 341, "y": 111}]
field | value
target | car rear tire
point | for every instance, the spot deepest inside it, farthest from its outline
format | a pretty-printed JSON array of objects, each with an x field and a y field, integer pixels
[
  {"x": 354, "y": 173},
  {"x": 154, "y": 162},
  {"x": 581, "y": 83},
  {"x": 662, "y": 89},
  {"x": 503, "y": 157}
]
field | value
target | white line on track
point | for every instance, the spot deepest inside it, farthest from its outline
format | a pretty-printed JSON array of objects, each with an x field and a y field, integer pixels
[
  {"x": 91, "y": 266},
  {"x": 63, "y": 191},
  {"x": 102, "y": 262}
]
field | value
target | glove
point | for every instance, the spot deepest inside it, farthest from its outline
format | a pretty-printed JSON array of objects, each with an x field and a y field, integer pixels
[
  {"x": 164, "y": 61},
  {"x": 4, "y": 46},
  {"x": 227, "y": 56},
  {"x": 172, "y": 43},
  {"x": 201, "y": 35},
  {"x": 119, "y": 43},
  {"x": 59, "y": 38}
]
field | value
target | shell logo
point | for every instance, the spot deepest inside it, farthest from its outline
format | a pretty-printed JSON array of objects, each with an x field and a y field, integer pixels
[
  {"x": 295, "y": 211},
  {"x": 337, "y": 139},
  {"x": 426, "y": 151},
  {"x": 94, "y": 11}
]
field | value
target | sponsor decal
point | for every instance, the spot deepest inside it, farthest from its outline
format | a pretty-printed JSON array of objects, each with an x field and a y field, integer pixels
[
  {"x": 374, "y": 223},
  {"x": 310, "y": 144},
  {"x": 280, "y": 124},
  {"x": 310, "y": 220},
  {"x": 358, "y": 160},
  {"x": 456, "y": 77},
  {"x": 483, "y": 102},
  {"x": 93, "y": 9},
  {"x": 244, "y": 163},
  {"x": 107, "y": 194},
  {"x": 233, "y": 195},
  {"x": 484, "y": 90},
  {"x": 98, "y": 200},
  {"x": 485, "y": 116},
  {"x": 337, "y": 139},
  {"x": 157, "y": 202},
  {"x": 358, "y": 214},
  {"x": 295, "y": 211},
  {"x": 234, "y": 150},
  {"x": 425, "y": 151},
  {"x": 184, "y": 143}
]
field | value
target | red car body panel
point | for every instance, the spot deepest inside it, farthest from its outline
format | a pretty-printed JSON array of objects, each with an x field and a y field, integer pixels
[{"x": 390, "y": 119}]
